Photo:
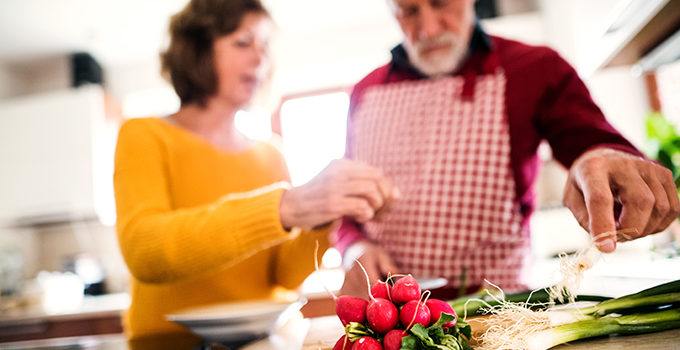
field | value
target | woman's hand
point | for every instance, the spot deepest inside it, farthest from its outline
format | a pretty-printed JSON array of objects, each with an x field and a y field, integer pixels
[{"x": 343, "y": 188}]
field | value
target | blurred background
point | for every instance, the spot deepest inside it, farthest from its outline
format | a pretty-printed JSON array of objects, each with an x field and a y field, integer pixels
[{"x": 71, "y": 71}]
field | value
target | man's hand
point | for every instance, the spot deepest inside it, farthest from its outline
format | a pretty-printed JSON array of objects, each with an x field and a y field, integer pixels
[
  {"x": 602, "y": 177},
  {"x": 375, "y": 260}
]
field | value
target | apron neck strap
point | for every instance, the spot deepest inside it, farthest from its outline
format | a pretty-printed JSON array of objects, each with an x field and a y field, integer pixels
[{"x": 482, "y": 64}]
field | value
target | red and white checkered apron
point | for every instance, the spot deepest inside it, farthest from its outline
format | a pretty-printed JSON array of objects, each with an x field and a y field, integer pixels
[{"x": 450, "y": 158}]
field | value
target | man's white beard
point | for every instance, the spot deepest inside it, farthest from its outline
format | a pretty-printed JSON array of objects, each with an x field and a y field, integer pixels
[{"x": 437, "y": 64}]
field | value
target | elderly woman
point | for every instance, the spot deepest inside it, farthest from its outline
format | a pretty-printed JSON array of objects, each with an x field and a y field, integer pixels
[{"x": 201, "y": 215}]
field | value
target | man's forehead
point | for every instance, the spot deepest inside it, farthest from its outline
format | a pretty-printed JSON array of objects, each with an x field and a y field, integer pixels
[
  {"x": 408, "y": 2},
  {"x": 405, "y": 2}
]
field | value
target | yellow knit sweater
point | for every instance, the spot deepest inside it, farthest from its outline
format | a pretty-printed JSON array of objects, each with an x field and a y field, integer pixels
[{"x": 187, "y": 243}]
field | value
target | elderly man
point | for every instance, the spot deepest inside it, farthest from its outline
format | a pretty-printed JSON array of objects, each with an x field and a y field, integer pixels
[{"x": 455, "y": 119}]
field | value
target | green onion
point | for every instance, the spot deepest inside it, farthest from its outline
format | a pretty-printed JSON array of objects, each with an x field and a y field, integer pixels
[
  {"x": 651, "y": 310},
  {"x": 623, "y": 325},
  {"x": 624, "y": 303},
  {"x": 670, "y": 287},
  {"x": 478, "y": 303}
]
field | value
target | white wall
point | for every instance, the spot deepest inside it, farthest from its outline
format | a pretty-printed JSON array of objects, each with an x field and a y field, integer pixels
[
  {"x": 61, "y": 242},
  {"x": 622, "y": 96},
  {"x": 572, "y": 27}
]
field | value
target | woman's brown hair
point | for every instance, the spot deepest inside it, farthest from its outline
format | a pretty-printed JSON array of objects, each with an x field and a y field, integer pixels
[{"x": 188, "y": 61}]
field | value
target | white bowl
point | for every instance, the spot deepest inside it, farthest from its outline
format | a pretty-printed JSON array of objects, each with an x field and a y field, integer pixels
[{"x": 237, "y": 321}]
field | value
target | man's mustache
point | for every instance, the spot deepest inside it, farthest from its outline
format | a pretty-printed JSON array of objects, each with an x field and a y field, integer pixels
[{"x": 448, "y": 39}]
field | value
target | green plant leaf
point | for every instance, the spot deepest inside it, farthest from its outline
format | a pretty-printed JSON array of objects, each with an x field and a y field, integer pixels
[
  {"x": 666, "y": 160},
  {"x": 444, "y": 318},
  {"x": 660, "y": 129},
  {"x": 409, "y": 342},
  {"x": 356, "y": 330}
]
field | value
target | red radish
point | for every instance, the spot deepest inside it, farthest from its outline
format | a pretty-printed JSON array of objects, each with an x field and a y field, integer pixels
[
  {"x": 381, "y": 289},
  {"x": 367, "y": 343},
  {"x": 436, "y": 307},
  {"x": 348, "y": 308},
  {"x": 414, "y": 312},
  {"x": 381, "y": 315},
  {"x": 405, "y": 290},
  {"x": 343, "y": 344},
  {"x": 392, "y": 340}
]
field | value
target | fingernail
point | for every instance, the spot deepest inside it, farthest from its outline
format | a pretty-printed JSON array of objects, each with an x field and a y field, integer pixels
[{"x": 607, "y": 245}]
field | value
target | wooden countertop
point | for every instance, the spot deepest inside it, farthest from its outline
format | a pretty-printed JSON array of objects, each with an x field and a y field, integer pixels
[
  {"x": 92, "y": 306},
  {"x": 668, "y": 340},
  {"x": 322, "y": 332}
]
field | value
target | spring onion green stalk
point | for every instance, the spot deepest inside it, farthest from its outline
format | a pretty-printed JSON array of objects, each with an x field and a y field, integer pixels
[
  {"x": 661, "y": 295},
  {"x": 516, "y": 326},
  {"x": 623, "y": 325},
  {"x": 664, "y": 294},
  {"x": 621, "y": 304},
  {"x": 478, "y": 303}
]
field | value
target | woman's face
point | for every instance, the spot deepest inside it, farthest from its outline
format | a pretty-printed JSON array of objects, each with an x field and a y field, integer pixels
[{"x": 241, "y": 59}]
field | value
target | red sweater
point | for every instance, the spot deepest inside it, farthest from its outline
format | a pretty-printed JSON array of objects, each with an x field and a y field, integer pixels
[{"x": 544, "y": 99}]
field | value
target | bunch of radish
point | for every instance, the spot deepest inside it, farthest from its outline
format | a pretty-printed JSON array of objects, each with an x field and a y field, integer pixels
[
  {"x": 398, "y": 316},
  {"x": 384, "y": 320}
]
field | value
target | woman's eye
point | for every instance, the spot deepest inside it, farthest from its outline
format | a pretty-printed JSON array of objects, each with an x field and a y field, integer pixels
[
  {"x": 409, "y": 11},
  {"x": 242, "y": 43}
]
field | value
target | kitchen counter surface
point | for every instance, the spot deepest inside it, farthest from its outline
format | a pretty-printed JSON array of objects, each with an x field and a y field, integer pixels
[
  {"x": 321, "y": 333},
  {"x": 104, "y": 305},
  {"x": 95, "y": 315}
]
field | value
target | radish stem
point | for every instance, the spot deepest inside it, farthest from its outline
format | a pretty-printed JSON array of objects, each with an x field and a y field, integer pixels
[{"x": 368, "y": 280}]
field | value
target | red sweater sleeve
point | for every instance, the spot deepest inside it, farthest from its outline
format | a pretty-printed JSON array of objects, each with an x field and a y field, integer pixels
[{"x": 568, "y": 117}]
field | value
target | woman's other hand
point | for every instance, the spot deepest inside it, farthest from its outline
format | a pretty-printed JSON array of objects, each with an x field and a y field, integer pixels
[{"x": 344, "y": 188}]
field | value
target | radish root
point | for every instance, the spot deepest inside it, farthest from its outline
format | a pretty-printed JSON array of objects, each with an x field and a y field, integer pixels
[
  {"x": 510, "y": 323},
  {"x": 573, "y": 267}
]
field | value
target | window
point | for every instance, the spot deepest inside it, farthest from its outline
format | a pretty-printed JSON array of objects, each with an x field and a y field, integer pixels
[{"x": 313, "y": 130}]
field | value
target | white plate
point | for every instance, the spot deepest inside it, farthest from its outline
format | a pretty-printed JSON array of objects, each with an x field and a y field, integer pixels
[
  {"x": 236, "y": 321},
  {"x": 431, "y": 283}
]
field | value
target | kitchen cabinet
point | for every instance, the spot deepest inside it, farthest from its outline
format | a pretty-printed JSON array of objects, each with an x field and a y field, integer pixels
[
  {"x": 96, "y": 315},
  {"x": 57, "y": 157},
  {"x": 638, "y": 26}
]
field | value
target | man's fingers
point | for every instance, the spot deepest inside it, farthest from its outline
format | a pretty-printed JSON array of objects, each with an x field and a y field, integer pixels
[
  {"x": 573, "y": 199},
  {"x": 599, "y": 201},
  {"x": 387, "y": 266},
  {"x": 372, "y": 266},
  {"x": 354, "y": 285},
  {"x": 637, "y": 203},
  {"x": 666, "y": 178},
  {"x": 661, "y": 206}
]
